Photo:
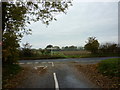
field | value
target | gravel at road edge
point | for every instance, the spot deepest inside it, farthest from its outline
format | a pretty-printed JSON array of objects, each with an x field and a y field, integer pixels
[{"x": 92, "y": 73}]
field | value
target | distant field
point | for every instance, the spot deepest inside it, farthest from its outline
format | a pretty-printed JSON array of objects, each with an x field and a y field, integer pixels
[{"x": 74, "y": 52}]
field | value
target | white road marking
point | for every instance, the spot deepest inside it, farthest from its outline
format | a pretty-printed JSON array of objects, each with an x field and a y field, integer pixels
[
  {"x": 49, "y": 62},
  {"x": 56, "y": 81},
  {"x": 39, "y": 66},
  {"x": 35, "y": 67},
  {"x": 45, "y": 67},
  {"x": 52, "y": 64},
  {"x": 29, "y": 63},
  {"x": 36, "y": 62}
]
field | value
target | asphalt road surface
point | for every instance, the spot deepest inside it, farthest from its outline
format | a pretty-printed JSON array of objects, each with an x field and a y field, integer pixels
[{"x": 57, "y": 73}]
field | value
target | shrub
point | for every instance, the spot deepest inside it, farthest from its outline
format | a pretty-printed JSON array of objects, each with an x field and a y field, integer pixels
[{"x": 10, "y": 70}]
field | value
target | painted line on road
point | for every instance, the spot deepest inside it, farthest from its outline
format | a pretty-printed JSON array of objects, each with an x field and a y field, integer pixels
[
  {"x": 35, "y": 68},
  {"x": 49, "y": 62},
  {"x": 56, "y": 81},
  {"x": 36, "y": 62},
  {"x": 52, "y": 64},
  {"x": 45, "y": 67},
  {"x": 29, "y": 63},
  {"x": 39, "y": 66}
]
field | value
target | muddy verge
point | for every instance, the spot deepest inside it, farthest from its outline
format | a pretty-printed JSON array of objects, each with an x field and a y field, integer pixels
[
  {"x": 22, "y": 76},
  {"x": 15, "y": 80},
  {"x": 96, "y": 77}
]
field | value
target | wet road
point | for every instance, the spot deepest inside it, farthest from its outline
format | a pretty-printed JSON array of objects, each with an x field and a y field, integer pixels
[
  {"x": 79, "y": 60},
  {"x": 57, "y": 74}
]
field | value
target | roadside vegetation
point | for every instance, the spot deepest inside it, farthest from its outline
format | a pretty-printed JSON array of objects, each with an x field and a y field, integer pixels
[
  {"x": 110, "y": 67},
  {"x": 75, "y": 54},
  {"x": 92, "y": 48},
  {"x": 16, "y": 16},
  {"x": 9, "y": 71},
  {"x": 105, "y": 74}
]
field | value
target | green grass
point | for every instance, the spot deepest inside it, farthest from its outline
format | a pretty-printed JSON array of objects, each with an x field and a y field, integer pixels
[
  {"x": 110, "y": 67},
  {"x": 8, "y": 72}
]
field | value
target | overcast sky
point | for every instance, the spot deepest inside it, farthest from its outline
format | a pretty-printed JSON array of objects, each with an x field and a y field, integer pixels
[{"x": 83, "y": 19}]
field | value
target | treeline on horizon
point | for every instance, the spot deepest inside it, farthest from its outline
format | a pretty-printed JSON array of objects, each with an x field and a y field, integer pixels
[
  {"x": 106, "y": 46},
  {"x": 92, "y": 46}
]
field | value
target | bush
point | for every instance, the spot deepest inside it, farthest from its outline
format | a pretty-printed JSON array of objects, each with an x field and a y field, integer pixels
[
  {"x": 10, "y": 70},
  {"x": 110, "y": 67}
]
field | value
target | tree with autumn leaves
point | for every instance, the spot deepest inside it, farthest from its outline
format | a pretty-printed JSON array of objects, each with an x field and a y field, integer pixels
[
  {"x": 17, "y": 15},
  {"x": 92, "y": 45}
]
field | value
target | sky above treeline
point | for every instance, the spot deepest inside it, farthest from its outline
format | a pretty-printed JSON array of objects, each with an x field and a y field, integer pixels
[{"x": 83, "y": 20}]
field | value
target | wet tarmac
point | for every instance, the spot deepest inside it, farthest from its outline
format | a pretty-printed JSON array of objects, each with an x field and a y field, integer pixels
[{"x": 59, "y": 73}]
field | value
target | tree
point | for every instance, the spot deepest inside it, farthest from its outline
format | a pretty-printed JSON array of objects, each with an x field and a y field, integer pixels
[
  {"x": 92, "y": 45},
  {"x": 72, "y": 48},
  {"x": 109, "y": 48},
  {"x": 80, "y": 48},
  {"x": 66, "y": 48},
  {"x": 48, "y": 49},
  {"x": 56, "y": 48},
  {"x": 42, "y": 51},
  {"x": 26, "y": 50},
  {"x": 17, "y": 15},
  {"x": 27, "y": 46},
  {"x": 49, "y": 46}
]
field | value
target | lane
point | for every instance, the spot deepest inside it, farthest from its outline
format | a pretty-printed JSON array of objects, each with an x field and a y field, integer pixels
[
  {"x": 69, "y": 77},
  {"x": 52, "y": 64},
  {"x": 54, "y": 75},
  {"x": 81, "y": 60},
  {"x": 57, "y": 73},
  {"x": 56, "y": 81},
  {"x": 39, "y": 75}
]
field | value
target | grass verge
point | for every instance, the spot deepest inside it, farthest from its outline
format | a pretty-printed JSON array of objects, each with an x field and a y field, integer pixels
[
  {"x": 110, "y": 67},
  {"x": 9, "y": 71},
  {"x": 91, "y": 72}
]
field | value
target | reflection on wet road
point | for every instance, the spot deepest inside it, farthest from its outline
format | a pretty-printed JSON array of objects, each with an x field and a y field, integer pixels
[{"x": 59, "y": 73}]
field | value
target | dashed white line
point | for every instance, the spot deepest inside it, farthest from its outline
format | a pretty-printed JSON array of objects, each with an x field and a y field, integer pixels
[
  {"x": 29, "y": 63},
  {"x": 36, "y": 62},
  {"x": 39, "y": 66},
  {"x": 52, "y": 64},
  {"x": 56, "y": 81}
]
